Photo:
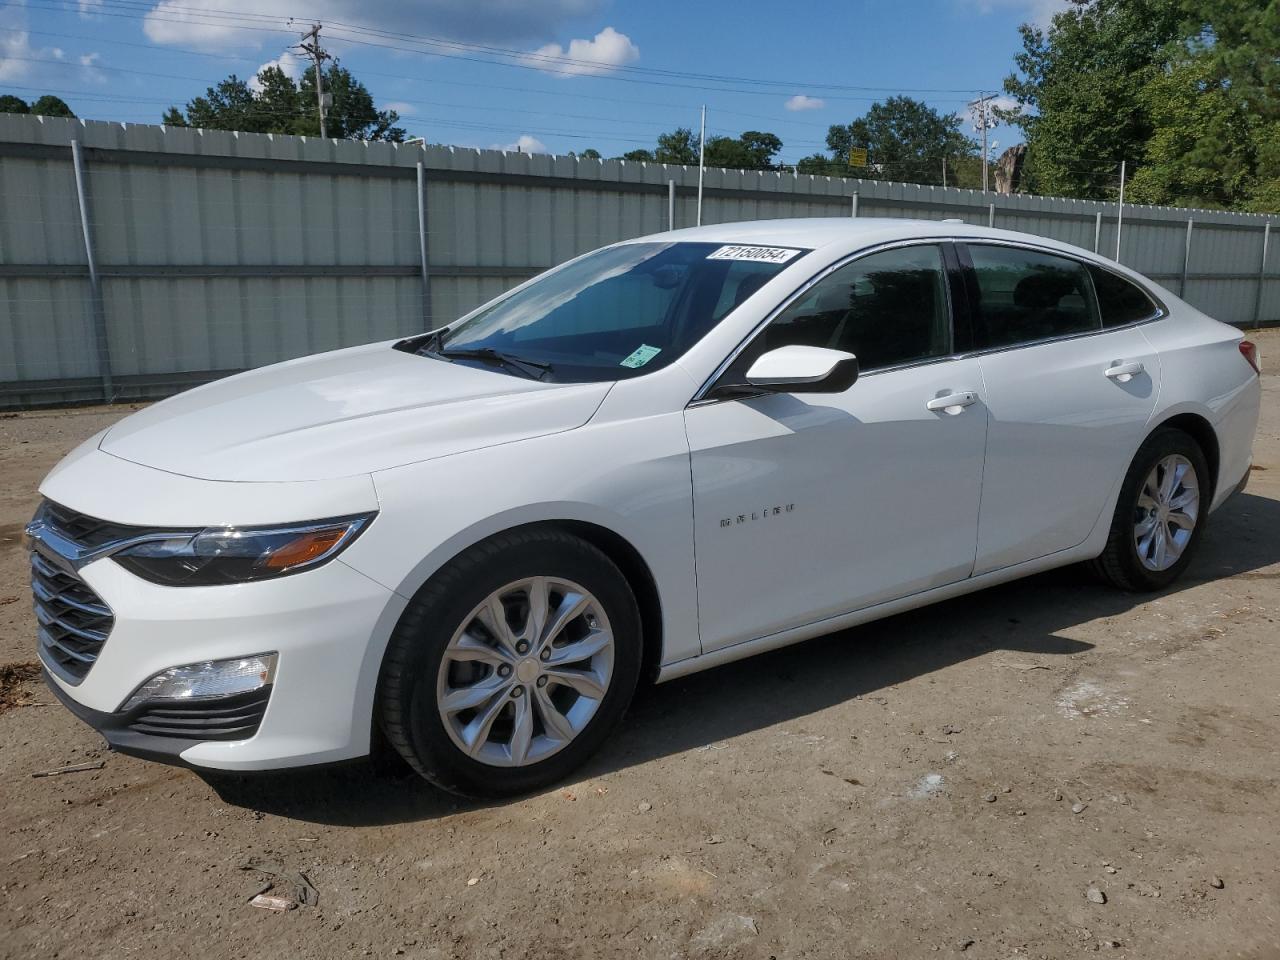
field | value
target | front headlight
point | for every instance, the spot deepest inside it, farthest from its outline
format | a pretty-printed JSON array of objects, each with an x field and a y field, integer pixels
[{"x": 219, "y": 555}]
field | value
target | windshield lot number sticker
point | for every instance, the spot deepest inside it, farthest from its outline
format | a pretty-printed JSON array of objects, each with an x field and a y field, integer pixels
[
  {"x": 758, "y": 254},
  {"x": 640, "y": 356}
]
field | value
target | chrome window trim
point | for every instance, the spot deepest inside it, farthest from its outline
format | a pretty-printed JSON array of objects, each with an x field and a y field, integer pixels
[
  {"x": 700, "y": 397},
  {"x": 1162, "y": 311}
]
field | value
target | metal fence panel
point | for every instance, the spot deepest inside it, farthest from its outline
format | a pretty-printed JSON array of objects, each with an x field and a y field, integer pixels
[{"x": 221, "y": 251}]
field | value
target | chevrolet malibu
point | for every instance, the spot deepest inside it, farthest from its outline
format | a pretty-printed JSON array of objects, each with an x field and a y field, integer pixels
[{"x": 661, "y": 456}]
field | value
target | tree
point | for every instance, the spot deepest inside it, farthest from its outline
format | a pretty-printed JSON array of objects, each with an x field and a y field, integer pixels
[
  {"x": 281, "y": 105},
  {"x": 1186, "y": 91},
  {"x": 51, "y": 106},
  {"x": 905, "y": 140},
  {"x": 752, "y": 150},
  {"x": 1079, "y": 90},
  {"x": 678, "y": 146},
  {"x": 46, "y": 106}
]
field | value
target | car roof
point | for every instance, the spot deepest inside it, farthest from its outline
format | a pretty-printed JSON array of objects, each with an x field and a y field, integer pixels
[{"x": 848, "y": 232}]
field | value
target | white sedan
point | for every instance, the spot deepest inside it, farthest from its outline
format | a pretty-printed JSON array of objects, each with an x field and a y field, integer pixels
[{"x": 664, "y": 455}]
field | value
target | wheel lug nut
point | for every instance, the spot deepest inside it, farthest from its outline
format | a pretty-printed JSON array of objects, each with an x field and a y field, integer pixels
[
  {"x": 546, "y": 654},
  {"x": 542, "y": 681},
  {"x": 522, "y": 647},
  {"x": 504, "y": 671},
  {"x": 518, "y": 692}
]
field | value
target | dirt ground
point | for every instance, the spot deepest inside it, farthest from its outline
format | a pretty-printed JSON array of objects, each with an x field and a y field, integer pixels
[{"x": 953, "y": 780}]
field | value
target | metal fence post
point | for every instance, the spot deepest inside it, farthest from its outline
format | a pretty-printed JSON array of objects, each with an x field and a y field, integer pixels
[
  {"x": 1186, "y": 259},
  {"x": 853, "y": 206},
  {"x": 1262, "y": 276},
  {"x": 96, "y": 307},
  {"x": 422, "y": 246},
  {"x": 1120, "y": 211},
  {"x": 991, "y": 215},
  {"x": 671, "y": 204},
  {"x": 1097, "y": 231}
]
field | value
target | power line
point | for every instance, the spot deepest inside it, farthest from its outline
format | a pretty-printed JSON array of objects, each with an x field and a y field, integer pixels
[{"x": 510, "y": 58}]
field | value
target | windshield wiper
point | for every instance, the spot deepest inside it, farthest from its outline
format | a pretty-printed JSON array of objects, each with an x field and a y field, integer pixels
[{"x": 533, "y": 369}]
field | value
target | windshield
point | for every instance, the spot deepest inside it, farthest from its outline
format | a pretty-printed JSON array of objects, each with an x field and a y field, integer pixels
[{"x": 615, "y": 313}]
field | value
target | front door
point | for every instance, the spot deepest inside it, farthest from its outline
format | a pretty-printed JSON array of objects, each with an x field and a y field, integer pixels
[{"x": 807, "y": 506}]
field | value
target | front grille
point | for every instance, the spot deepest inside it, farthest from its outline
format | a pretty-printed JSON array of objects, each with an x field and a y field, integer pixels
[
  {"x": 220, "y": 718},
  {"x": 85, "y": 530},
  {"x": 73, "y": 621}
]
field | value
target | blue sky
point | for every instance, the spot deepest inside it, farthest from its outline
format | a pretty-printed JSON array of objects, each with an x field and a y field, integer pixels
[{"x": 550, "y": 75}]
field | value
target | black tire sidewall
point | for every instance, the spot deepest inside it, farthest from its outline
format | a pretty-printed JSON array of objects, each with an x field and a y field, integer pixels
[
  {"x": 424, "y": 632},
  {"x": 1159, "y": 445}
]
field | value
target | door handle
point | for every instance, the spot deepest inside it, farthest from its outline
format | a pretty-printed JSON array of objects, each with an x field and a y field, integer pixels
[
  {"x": 952, "y": 403},
  {"x": 1124, "y": 372}
]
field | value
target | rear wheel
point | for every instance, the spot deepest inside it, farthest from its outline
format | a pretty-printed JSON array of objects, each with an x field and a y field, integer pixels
[
  {"x": 1160, "y": 514},
  {"x": 511, "y": 665}
]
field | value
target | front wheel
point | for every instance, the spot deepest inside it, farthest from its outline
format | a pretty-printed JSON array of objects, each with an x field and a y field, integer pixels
[
  {"x": 1160, "y": 514},
  {"x": 512, "y": 665}
]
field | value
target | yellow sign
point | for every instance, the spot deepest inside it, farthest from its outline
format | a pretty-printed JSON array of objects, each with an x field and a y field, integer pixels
[{"x": 857, "y": 156}]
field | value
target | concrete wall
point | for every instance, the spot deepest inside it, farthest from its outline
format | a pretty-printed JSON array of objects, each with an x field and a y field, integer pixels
[{"x": 219, "y": 251}]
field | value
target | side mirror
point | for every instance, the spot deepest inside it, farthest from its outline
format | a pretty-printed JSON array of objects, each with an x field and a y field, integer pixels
[{"x": 799, "y": 369}]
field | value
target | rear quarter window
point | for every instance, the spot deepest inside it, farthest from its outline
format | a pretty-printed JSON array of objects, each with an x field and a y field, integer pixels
[{"x": 1120, "y": 300}]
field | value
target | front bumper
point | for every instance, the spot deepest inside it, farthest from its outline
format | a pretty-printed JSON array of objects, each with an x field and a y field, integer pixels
[
  {"x": 328, "y": 626},
  {"x": 133, "y": 732}
]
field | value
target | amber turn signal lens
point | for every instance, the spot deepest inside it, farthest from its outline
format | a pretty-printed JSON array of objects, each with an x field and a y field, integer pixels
[{"x": 305, "y": 548}]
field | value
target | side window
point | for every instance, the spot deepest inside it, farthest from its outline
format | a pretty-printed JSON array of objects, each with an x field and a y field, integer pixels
[
  {"x": 1024, "y": 296},
  {"x": 1120, "y": 301},
  {"x": 885, "y": 308}
]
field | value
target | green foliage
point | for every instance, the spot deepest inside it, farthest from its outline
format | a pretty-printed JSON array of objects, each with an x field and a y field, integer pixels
[
  {"x": 1186, "y": 91},
  {"x": 51, "y": 106},
  {"x": 280, "y": 105},
  {"x": 46, "y": 106},
  {"x": 752, "y": 150},
  {"x": 905, "y": 140},
  {"x": 678, "y": 146}
]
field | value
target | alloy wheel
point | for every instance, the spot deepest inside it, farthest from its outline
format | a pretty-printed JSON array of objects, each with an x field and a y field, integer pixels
[
  {"x": 1166, "y": 513},
  {"x": 525, "y": 672}
]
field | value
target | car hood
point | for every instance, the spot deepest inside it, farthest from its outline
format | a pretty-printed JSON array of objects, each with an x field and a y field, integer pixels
[{"x": 344, "y": 413}]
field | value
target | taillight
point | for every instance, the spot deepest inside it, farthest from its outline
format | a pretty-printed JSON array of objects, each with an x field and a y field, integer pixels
[{"x": 1249, "y": 350}]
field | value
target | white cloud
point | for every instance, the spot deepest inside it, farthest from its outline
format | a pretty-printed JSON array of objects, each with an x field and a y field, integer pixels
[
  {"x": 288, "y": 63},
  {"x": 801, "y": 102},
  {"x": 19, "y": 59},
  {"x": 511, "y": 22},
  {"x": 400, "y": 107},
  {"x": 1038, "y": 12},
  {"x": 603, "y": 54},
  {"x": 524, "y": 144}
]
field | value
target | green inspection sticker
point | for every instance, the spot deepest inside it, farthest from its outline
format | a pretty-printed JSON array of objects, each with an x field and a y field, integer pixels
[{"x": 640, "y": 356}]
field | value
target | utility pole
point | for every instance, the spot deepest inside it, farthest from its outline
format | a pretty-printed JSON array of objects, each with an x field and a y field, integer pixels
[
  {"x": 702, "y": 154},
  {"x": 944, "y": 173},
  {"x": 984, "y": 122},
  {"x": 318, "y": 56}
]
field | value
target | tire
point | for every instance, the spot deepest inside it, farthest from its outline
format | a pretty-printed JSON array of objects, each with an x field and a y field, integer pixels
[
  {"x": 510, "y": 743},
  {"x": 1131, "y": 562}
]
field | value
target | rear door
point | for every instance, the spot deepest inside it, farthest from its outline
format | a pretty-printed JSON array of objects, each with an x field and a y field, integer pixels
[{"x": 1069, "y": 400}]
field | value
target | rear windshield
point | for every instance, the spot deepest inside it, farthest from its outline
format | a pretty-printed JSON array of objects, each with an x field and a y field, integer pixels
[{"x": 619, "y": 312}]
